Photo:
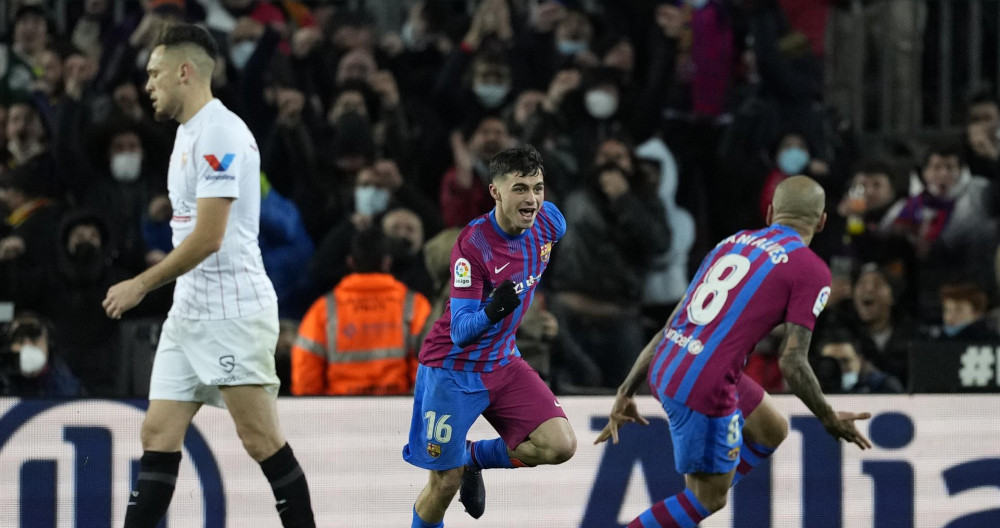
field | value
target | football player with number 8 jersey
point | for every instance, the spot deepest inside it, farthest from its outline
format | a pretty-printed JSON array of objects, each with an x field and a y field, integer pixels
[{"x": 723, "y": 423}]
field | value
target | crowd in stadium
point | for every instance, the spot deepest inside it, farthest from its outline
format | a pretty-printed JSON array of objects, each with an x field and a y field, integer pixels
[{"x": 664, "y": 127}]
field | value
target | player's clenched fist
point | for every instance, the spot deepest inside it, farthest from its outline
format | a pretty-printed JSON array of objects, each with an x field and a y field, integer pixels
[{"x": 505, "y": 301}]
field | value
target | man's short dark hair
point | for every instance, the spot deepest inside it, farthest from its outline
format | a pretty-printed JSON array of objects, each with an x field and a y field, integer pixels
[
  {"x": 945, "y": 149},
  {"x": 980, "y": 96},
  {"x": 181, "y": 34},
  {"x": 368, "y": 249},
  {"x": 524, "y": 161}
]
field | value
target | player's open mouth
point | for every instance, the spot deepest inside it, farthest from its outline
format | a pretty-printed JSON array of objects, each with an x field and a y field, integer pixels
[{"x": 527, "y": 214}]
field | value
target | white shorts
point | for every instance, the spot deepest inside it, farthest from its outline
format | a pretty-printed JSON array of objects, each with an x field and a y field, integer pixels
[{"x": 195, "y": 357}]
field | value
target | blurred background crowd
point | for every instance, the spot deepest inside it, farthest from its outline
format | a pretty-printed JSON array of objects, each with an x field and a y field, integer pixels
[{"x": 665, "y": 125}]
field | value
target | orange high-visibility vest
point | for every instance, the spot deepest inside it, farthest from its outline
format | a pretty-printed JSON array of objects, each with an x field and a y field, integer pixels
[{"x": 361, "y": 338}]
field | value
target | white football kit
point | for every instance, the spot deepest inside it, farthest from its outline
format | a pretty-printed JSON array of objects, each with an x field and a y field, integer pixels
[{"x": 223, "y": 326}]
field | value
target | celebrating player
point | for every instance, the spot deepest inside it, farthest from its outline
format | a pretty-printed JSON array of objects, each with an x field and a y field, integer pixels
[
  {"x": 722, "y": 423},
  {"x": 217, "y": 345},
  {"x": 470, "y": 364}
]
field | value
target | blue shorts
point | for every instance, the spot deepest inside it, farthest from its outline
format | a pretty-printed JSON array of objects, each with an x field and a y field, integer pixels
[
  {"x": 704, "y": 444},
  {"x": 513, "y": 399}
]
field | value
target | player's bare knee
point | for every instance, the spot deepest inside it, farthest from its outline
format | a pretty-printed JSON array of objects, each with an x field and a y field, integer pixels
[
  {"x": 562, "y": 449},
  {"x": 155, "y": 436},
  {"x": 712, "y": 500},
  {"x": 259, "y": 444}
]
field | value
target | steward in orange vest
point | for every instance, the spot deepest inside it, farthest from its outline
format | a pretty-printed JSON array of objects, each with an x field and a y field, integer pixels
[{"x": 363, "y": 337}]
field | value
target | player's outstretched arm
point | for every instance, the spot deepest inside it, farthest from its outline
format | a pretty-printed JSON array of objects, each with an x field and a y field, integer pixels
[
  {"x": 794, "y": 363},
  {"x": 209, "y": 229}
]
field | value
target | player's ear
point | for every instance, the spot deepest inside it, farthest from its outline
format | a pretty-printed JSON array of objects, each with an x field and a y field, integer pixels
[
  {"x": 494, "y": 192},
  {"x": 822, "y": 222},
  {"x": 769, "y": 214}
]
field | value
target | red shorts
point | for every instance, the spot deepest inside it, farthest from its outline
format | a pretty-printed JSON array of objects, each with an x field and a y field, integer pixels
[{"x": 519, "y": 401}]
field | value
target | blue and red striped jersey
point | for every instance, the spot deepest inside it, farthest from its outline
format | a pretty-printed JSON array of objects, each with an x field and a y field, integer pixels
[
  {"x": 748, "y": 284},
  {"x": 483, "y": 257}
]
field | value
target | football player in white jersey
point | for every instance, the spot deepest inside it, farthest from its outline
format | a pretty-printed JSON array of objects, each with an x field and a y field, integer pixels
[{"x": 217, "y": 345}]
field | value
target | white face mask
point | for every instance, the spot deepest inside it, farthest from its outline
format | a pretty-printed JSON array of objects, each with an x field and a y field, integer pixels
[
  {"x": 370, "y": 200},
  {"x": 33, "y": 360},
  {"x": 241, "y": 53},
  {"x": 491, "y": 95},
  {"x": 848, "y": 380},
  {"x": 600, "y": 104},
  {"x": 126, "y": 166}
]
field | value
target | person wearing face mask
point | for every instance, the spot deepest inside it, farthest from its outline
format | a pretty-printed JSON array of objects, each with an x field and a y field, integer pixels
[
  {"x": 857, "y": 374},
  {"x": 473, "y": 84},
  {"x": 88, "y": 340},
  {"x": 963, "y": 314},
  {"x": 791, "y": 158},
  {"x": 30, "y": 364},
  {"x": 378, "y": 188},
  {"x": 124, "y": 181},
  {"x": 950, "y": 226},
  {"x": 404, "y": 234}
]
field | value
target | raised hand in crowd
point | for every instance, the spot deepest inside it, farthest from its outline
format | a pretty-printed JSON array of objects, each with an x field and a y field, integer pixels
[
  {"x": 545, "y": 16},
  {"x": 304, "y": 40},
  {"x": 463, "y": 159},
  {"x": 563, "y": 83},
  {"x": 78, "y": 72},
  {"x": 384, "y": 84},
  {"x": 671, "y": 20},
  {"x": 290, "y": 103}
]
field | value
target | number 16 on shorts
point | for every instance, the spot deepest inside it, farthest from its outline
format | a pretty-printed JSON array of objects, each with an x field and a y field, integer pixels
[{"x": 438, "y": 432}]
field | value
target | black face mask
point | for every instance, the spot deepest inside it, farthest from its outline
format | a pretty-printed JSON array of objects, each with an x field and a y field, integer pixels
[
  {"x": 399, "y": 249},
  {"x": 87, "y": 263}
]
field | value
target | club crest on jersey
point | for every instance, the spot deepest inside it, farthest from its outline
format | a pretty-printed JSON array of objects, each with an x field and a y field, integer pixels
[
  {"x": 734, "y": 453},
  {"x": 434, "y": 450},
  {"x": 463, "y": 273},
  {"x": 219, "y": 166},
  {"x": 821, "y": 299},
  {"x": 546, "y": 250}
]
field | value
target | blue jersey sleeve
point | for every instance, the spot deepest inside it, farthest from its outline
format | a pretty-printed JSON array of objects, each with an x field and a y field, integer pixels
[
  {"x": 468, "y": 320},
  {"x": 555, "y": 218}
]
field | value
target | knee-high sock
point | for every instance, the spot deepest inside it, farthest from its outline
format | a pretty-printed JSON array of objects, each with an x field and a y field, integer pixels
[
  {"x": 750, "y": 456},
  {"x": 680, "y": 511},
  {"x": 420, "y": 523},
  {"x": 485, "y": 454},
  {"x": 288, "y": 483},
  {"x": 153, "y": 490}
]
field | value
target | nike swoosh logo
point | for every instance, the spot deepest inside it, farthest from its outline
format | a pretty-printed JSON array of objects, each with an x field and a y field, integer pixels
[
  {"x": 501, "y": 268},
  {"x": 558, "y": 404}
]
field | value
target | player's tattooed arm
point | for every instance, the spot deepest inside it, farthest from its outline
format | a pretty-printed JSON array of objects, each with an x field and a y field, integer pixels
[{"x": 795, "y": 368}]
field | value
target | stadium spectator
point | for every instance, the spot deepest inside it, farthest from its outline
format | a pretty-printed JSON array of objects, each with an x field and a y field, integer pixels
[
  {"x": 613, "y": 232},
  {"x": 950, "y": 227},
  {"x": 465, "y": 187},
  {"x": 982, "y": 135},
  {"x": 857, "y": 374},
  {"x": 22, "y": 58},
  {"x": 284, "y": 246},
  {"x": 405, "y": 234},
  {"x": 362, "y": 337},
  {"x": 30, "y": 363},
  {"x": 963, "y": 314}
]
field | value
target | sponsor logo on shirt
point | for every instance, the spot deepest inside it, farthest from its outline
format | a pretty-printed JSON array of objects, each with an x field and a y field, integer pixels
[
  {"x": 821, "y": 299},
  {"x": 219, "y": 166},
  {"x": 694, "y": 346},
  {"x": 463, "y": 273},
  {"x": 219, "y": 177}
]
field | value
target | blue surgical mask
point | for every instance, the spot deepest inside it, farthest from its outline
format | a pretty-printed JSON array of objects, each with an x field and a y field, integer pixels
[
  {"x": 570, "y": 48},
  {"x": 792, "y": 160},
  {"x": 848, "y": 380},
  {"x": 697, "y": 4},
  {"x": 370, "y": 200},
  {"x": 241, "y": 53},
  {"x": 953, "y": 330},
  {"x": 491, "y": 95}
]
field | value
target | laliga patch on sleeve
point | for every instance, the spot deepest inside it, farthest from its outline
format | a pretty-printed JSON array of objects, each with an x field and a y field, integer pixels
[
  {"x": 824, "y": 295},
  {"x": 463, "y": 273}
]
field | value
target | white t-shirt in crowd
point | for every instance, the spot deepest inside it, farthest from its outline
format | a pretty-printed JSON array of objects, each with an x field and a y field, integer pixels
[{"x": 215, "y": 156}]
